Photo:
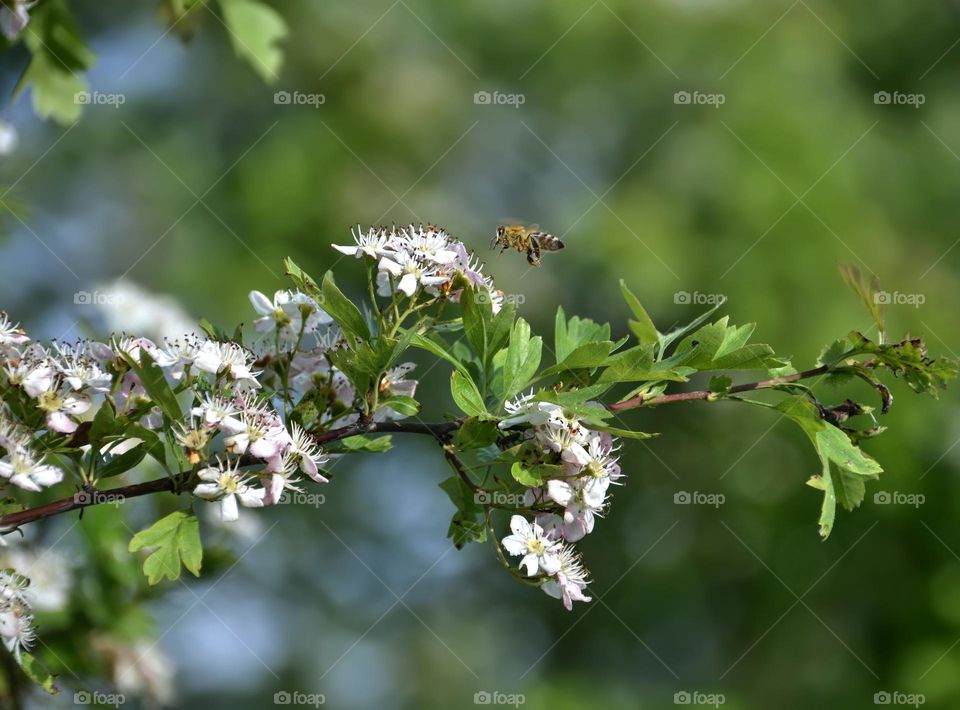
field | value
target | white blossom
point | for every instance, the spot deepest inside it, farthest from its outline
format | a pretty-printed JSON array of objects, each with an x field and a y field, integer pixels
[
  {"x": 230, "y": 487},
  {"x": 404, "y": 273},
  {"x": 570, "y": 580},
  {"x": 526, "y": 410},
  {"x": 373, "y": 243},
  {"x": 307, "y": 453},
  {"x": 15, "y": 16},
  {"x": 528, "y": 539},
  {"x": 61, "y": 407},
  {"x": 290, "y": 313},
  {"x": 16, "y": 615},
  {"x": 24, "y": 470},
  {"x": 79, "y": 369},
  {"x": 11, "y": 334},
  {"x": 215, "y": 357}
]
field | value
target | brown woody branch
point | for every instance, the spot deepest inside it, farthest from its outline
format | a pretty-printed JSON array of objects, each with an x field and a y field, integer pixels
[
  {"x": 89, "y": 496},
  {"x": 441, "y": 430},
  {"x": 641, "y": 401}
]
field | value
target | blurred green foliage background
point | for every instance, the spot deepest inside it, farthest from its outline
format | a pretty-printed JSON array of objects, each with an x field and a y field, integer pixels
[{"x": 200, "y": 183}]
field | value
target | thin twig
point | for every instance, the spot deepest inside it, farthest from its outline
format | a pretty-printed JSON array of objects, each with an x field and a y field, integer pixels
[{"x": 640, "y": 401}]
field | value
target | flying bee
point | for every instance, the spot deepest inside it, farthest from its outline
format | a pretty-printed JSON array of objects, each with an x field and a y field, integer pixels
[{"x": 525, "y": 239}]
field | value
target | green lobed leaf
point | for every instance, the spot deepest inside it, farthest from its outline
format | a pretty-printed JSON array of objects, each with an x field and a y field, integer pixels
[
  {"x": 533, "y": 475},
  {"x": 438, "y": 349},
  {"x": 623, "y": 433},
  {"x": 53, "y": 89},
  {"x": 521, "y": 361},
  {"x": 175, "y": 539},
  {"x": 39, "y": 675},
  {"x": 407, "y": 406},
  {"x": 586, "y": 356},
  {"x": 360, "y": 443},
  {"x": 642, "y": 327},
  {"x": 569, "y": 335},
  {"x": 255, "y": 30},
  {"x": 467, "y": 524},
  {"x": 720, "y": 346},
  {"x": 476, "y": 433},
  {"x": 59, "y": 56},
  {"x": 342, "y": 310},
  {"x": 155, "y": 383},
  {"x": 637, "y": 364},
  {"x": 868, "y": 289},
  {"x": 466, "y": 395},
  {"x": 841, "y": 460}
]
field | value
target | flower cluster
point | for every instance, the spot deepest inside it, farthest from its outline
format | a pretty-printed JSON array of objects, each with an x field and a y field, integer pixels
[
  {"x": 290, "y": 315},
  {"x": 16, "y": 614},
  {"x": 582, "y": 466},
  {"x": 252, "y": 433},
  {"x": 414, "y": 258}
]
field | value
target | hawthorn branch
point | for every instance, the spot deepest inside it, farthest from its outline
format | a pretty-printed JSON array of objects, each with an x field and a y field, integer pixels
[
  {"x": 89, "y": 496},
  {"x": 696, "y": 395}
]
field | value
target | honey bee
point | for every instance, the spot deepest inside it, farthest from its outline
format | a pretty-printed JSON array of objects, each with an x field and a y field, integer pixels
[{"x": 525, "y": 239}]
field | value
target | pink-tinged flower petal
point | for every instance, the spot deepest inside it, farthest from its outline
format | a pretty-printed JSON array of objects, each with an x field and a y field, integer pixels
[
  {"x": 274, "y": 490},
  {"x": 264, "y": 448},
  {"x": 261, "y": 304},
  {"x": 76, "y": 404},
  {"x": 58, "y": 421},
  {"x": 38, "y": 381},
  {"x": 47, "y": 475},
  {"x": 519, "y": 526},
  {"x": 390, "y": 266},
  {"x": 408, "y": 284},
  {"x": 252, "y": 497},
  {"x": 318, "y": 478},
  {"x": 265, "y": 324},
  {"x": 228, "y": 509},
  {"x": 550, "y": 563},
  {"x": 560, "y": 492},
  {"x": 514, "y": 545},
  {"x": 531, "y": 563},
  {"x": 25, "y": 482},
  {"x": 207, "y": 491},
  {"x": 552, "y": 588}
]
